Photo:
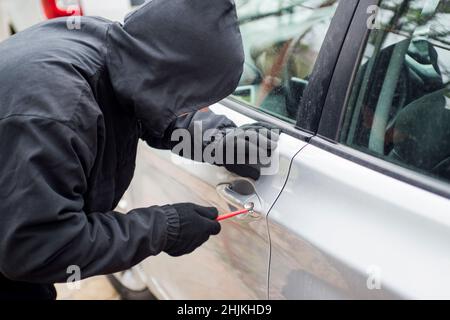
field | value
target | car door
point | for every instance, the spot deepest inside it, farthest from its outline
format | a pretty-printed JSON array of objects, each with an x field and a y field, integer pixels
[
  {"x": 365, "y": 212},
  {"x": 282, "y": 41}
]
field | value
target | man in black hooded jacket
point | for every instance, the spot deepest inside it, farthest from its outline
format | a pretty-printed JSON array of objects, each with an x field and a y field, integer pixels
[{"x": 74, "y": 103}]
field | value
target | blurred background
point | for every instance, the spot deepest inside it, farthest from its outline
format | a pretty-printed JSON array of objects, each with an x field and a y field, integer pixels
[{"x": 17, "y": 15}]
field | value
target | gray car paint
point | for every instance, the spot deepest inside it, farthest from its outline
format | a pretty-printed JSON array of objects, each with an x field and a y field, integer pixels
[
  {"x": 233, "y": 265},
  {"x": 354, "y": 233}
]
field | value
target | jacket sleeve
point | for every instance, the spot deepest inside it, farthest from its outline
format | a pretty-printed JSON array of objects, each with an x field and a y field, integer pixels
[
  {"x": 207, "y": 119},
  {"x": 43, "y": 228}
]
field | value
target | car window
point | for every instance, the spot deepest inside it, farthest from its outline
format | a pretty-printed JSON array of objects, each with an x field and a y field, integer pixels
[
  {"x": 282, "y": 40},
  {"x": 399, "y": 109}
]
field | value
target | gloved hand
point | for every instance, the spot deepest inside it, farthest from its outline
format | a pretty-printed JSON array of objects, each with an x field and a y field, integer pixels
[
  {"x": 197, "y": 224},
  {"x": 249, "y": 142}
]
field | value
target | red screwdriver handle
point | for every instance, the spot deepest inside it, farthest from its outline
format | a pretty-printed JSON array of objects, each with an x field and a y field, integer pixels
[{"x": 232, "y": 214}]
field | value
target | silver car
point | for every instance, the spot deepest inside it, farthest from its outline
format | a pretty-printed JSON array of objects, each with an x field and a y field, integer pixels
[{"x": 358, "y": 207}]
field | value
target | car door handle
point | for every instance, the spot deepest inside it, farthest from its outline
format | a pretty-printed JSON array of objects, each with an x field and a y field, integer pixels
[{"x": 239, "y": 194}]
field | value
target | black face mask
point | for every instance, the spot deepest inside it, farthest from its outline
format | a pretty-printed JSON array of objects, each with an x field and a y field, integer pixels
[{"x": 173, "y": 57}]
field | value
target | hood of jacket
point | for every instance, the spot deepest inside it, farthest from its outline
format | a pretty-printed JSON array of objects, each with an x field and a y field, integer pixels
[{"x": 172, "y": 57}]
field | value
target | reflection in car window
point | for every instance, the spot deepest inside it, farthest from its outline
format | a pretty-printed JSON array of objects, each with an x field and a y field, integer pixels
[
  {"x": 399, "y": 109},
  {"x": 282, "y": 40}
]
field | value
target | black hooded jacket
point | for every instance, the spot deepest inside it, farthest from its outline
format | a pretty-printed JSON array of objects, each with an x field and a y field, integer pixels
[{"x": 73, "y": 105}]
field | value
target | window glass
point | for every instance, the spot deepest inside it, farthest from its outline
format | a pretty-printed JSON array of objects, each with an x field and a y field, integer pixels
[
  {"x": 399, "y": 109},
  {"x": 282, "y": 39}
]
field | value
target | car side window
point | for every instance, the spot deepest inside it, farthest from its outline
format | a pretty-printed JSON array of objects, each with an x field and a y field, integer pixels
[
  {"x": 282, "y": 40},
  {"x": 399, "y": 108}
]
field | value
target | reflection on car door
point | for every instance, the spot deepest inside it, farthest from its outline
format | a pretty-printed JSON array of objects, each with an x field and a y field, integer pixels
[{"x": 233, "y": 265}]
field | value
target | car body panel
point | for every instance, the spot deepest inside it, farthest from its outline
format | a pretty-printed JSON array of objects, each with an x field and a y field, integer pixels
[
  {"x": 356, "y": 234},
  {"x": 233, "y": 265}
]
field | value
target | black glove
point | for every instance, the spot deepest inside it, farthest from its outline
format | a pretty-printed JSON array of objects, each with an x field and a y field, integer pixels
[
  {"x": 262, "y": 135},
  {"x": 196, "y": 225},
  {"x": 222, "y": 132}
]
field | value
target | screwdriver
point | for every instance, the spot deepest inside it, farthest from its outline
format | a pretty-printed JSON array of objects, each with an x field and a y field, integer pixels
[{"x": 249, "y": 207}]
